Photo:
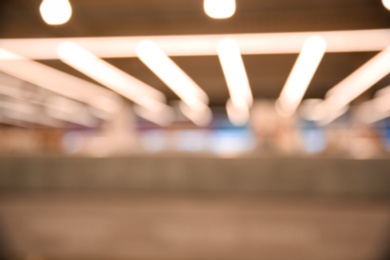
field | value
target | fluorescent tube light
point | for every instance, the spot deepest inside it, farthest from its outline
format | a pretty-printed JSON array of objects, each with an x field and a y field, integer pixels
[
  {"x": 200, "y": 45},
  {"x": 355, "y": 84},
  {"x": 171, "y": 74},
  {"x": 301, "y": 75},
  {"x": 110, "y": 76},
  {"x": 234, "y": 72},
  {"x": 238, "y": 116},
  {"x": 58, "y": 82}
]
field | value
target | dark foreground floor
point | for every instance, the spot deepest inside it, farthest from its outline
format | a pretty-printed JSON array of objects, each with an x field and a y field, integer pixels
[
  {"x": 179, "y": 208},
  {"x": 193, "y": 226}
]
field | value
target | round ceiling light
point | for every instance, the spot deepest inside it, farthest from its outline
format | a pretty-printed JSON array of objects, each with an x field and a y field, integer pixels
[
  {"x": 55, "y": 12},
  {"x": 219, "y": 9},
  {"x": 386, "y": 3}
]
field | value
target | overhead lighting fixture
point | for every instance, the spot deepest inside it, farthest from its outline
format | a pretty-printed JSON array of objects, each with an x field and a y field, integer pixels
[
  {"x": 201, "y": 117},
  {"x": 115, "y": 79},
  {"x": 355, "y": 84},
  {"x": 68, "y": 110},
  {"x": 376, "y": 109},
  {"x": 301, "y": 75},
  {"x": 10, "y": 91},
  {"x": 58, "y": 82},
  {"x": 219, "y": 9},
  {"x": 386, "y": 3},
  {"x": 383, "y": 91},
  {"x": 201, "y": 45},
  {"x": 110, "y": 76},
  {"x": 57, "y": 107},
  {"x": 235, "y": 75},
  {"x": 234, "y": 71},
  {"x": 171, "y": 74},
  {"x": 238, "y": 116},
  {"x": 162, "y": 119},
  {"x": 305, "y": 110},
  {"x": 24, "y": 112},
  {"x": 382, "y": 99},
  {"x": 368, "y": 113},
  {"x": 55, "y": 12},
  {"x": 333, "y": 116}
]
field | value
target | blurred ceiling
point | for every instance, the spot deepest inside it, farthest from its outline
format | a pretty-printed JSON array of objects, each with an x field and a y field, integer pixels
[{"x": 267, "y": 73}]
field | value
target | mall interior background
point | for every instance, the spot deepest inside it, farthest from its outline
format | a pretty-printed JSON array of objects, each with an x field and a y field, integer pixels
[{"x": 122, "y": 135}]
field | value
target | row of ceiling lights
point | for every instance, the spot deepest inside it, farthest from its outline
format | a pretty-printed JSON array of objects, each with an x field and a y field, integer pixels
[
  {"x": 194, "y": 99},
  {"x": 57, "y": 12},
  {"x": 83, "y": 55}
]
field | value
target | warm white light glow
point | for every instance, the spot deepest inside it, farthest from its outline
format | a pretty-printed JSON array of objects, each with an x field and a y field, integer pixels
[
  {"x": 68, "y": 110},
  {"x": 383, "y": 91},
  {"x": 376, "y": 109},
  {"x": 241, "y": 98},
  {"x": 58, "y": 82},
  {"x": 302, "y": 73},
  {"x": 200, "y": 117},
  {"x": 355, "y": 84},
  {"x": 237, "y": 115},
  {"x": 234, "y": 72},
  {"x": 219, "y": 9},
  {"x": 386, "y": 3},
  {"x": 382, "y": 103},
  {"x": 55, "y": 12},
  {"x": 309, "y": 110},
  {"x": 171, "y": 74},
  {"x": 21, "y": 111},
  {"x": 10, "y": 91},
  {"x": 112, "y": 77},
  {"x": 200, "y": 45},
  {"x": 333, "y": 116},
  {"x": 307, "y": 107},
  {"x": 57, "y": 107},
  {"x": 164, "y": 118},
  {"x": 368, "y": 113}
]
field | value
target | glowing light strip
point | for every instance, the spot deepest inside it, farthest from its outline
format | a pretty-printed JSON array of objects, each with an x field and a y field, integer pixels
[
  {"x": 234, "y": 71},
  {"x": 171, "y": 74},
  {"x": 368, "y": 113},
  {"x": 58, "y": 81},
  {"x": 237, "y": 115},
  {"x": 10, "y": 91},
  {"x": 124, "y": 84},
  {"x": 110, "y": 76},
  {"x": 78, "y": 119},
  {"x": 241, "y": 98},
  {"x": 11, "y": 121},
  {"x": 162, "y": 119},
  {"x": 59, "y": 108},
  {"x": 200, "y": 118},
  {"x": 25, "y": 112},
  {"x": 198, "y": 45},
  {"x": 377, "y": 108},
  {"x": 355, "y": 84},
  {"x": 68, "y": 110},
  {"x": 302, "y": 73},
  {"x": 102, "y": 71}
]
